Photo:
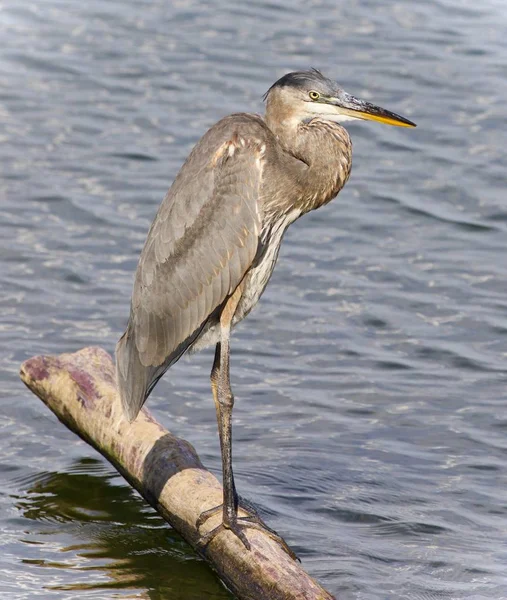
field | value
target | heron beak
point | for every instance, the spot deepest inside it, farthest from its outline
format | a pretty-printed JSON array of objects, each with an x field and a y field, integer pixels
[{"x": 360, "y": 109}]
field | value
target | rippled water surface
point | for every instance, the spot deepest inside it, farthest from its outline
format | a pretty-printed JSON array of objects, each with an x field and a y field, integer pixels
[{"x": 371, "y": 415}]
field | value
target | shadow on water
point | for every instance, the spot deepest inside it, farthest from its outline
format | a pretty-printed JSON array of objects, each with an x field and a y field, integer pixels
[{"x": 116, "y": 541}]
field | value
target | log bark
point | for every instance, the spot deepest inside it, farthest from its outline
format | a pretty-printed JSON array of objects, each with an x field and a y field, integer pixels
[{"x": 80, "y": 389}]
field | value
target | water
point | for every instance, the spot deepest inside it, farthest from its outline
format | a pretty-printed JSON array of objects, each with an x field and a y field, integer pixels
[{"x": 371, "y": 416}]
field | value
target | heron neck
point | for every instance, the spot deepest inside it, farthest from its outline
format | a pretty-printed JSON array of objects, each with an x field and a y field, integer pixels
[{"x": 324, "y": 148}]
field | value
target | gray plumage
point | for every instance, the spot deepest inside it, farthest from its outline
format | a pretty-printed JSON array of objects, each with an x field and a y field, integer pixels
[
  {"x": 219, "y": 229},
  {"x": 200, "y": 245}
]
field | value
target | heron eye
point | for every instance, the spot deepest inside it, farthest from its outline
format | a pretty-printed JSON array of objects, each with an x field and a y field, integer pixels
[{"x": 314, "y": 95}]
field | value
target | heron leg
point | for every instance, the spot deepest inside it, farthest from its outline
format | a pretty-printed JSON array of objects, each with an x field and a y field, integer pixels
[
  {"x": 224, "y": 402},
  {"x": 230, "y": 504}
]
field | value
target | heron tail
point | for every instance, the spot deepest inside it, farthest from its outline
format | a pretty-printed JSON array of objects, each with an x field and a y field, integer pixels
[{"x": 134, "y": 380}]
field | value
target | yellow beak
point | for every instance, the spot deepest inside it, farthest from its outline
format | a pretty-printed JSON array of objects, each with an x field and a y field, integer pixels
[{"x": 360, "y": 109}]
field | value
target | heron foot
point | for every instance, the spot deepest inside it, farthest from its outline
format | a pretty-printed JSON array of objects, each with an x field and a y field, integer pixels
[{"x": 237, "y": 525}]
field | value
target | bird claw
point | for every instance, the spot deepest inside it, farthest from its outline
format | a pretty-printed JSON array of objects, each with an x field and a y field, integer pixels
[
  {"x": 205, "y": 539},
  {"x": 251, "y": 521},
  {"x": 205, "y": 515}
]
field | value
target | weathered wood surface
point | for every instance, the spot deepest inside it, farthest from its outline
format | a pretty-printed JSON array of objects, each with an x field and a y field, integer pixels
[{"x": 80, "y": 389}]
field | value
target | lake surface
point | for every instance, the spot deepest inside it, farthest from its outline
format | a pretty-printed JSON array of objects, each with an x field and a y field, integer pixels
[{"x": 370, "y": 423}]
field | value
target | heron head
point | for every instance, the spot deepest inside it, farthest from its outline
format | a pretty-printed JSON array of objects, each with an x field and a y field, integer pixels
[{"x": 304, "y": 95}]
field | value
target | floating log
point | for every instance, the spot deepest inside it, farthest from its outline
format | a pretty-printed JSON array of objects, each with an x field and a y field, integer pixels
[{"x": 80, "y": 389}]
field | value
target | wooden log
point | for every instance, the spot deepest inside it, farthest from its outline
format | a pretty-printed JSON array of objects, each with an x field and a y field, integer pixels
[{"x": 80, "y": 389}]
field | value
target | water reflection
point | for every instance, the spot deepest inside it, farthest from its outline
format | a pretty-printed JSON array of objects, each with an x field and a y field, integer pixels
[{"x": 123, "y": 543}]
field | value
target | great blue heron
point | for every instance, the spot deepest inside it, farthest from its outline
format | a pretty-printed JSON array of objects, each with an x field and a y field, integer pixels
[{"x": 214, "y": 242}]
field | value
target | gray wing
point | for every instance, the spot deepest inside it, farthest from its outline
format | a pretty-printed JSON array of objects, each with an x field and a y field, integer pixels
[{"x": 200, "y": 245}]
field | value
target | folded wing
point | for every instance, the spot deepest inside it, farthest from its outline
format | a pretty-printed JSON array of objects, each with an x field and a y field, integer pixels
[{"x": 200, "y": 245}]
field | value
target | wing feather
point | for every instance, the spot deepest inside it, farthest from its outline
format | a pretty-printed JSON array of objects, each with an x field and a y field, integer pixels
[{"x": 199, "y": 247}]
